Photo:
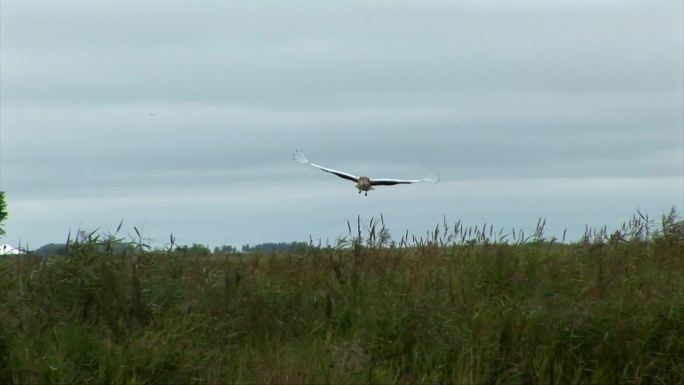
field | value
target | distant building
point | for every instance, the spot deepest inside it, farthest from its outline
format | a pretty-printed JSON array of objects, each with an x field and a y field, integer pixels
[{"x": 9, "y": 250}]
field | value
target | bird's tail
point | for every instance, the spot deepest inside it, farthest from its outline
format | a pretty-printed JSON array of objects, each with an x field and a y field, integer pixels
[
  {"x": 299, "y": 157},
  {"x": 432, "y": 178}
]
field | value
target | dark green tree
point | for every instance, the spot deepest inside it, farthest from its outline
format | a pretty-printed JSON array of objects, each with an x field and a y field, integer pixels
[{"x": 3, "y": 212}]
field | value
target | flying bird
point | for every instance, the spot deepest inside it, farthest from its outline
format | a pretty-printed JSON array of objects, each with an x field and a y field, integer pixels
[{"x": 364, "y": 183}]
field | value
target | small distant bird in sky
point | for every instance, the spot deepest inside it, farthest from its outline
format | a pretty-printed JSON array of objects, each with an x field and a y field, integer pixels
[{"x": 364, "y": 183}]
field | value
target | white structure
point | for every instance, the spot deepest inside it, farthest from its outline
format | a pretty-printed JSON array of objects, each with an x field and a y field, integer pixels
[{"x": 9, "y": 250}]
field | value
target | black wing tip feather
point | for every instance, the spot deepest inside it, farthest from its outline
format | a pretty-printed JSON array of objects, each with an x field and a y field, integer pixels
[
  {"x": 343, "y": 176},
  {"x": 388, "y": 182}
]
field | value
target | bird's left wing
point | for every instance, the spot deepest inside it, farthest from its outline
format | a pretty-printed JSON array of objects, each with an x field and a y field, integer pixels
[{"x": 432, "y": 178}]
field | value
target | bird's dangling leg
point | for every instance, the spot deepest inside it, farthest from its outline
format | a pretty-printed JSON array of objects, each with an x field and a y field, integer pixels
[
  {"x": 359, "y": 191},
  {"x": 366, "y": 194}
]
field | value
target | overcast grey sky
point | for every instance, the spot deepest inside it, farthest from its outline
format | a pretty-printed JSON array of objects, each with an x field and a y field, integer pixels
[{"x": 181, "y": 117}]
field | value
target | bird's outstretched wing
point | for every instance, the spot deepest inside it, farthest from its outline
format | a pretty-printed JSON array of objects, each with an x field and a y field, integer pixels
[
  {"x": 432, "y": 178},
  {"x": 300, "y": 158}
]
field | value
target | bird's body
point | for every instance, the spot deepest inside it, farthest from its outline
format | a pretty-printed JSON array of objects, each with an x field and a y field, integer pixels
[{"x": 364, "y": 183}]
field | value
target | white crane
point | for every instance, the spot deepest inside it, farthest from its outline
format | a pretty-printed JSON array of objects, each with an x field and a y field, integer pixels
[{"x": 364, "y": 183}]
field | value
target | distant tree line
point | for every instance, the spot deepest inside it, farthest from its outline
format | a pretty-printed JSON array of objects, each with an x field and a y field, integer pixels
[
  {"x": 225, "y": 249},
  {"x": 51, "y": 250},
  {"x": 279, "y": 247},
  {"x": 57, "y": 249}
]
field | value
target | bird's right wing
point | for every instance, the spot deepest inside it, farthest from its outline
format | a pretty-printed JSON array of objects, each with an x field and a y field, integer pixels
[
  {"x": 432, "y": 178},
  {"x": 299, "y": 157}
]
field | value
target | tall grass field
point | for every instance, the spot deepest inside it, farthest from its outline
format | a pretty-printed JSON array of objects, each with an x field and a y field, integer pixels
[{"x": 456, "y": 306}]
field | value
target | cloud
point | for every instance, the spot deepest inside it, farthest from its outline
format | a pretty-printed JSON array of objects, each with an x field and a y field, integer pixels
[
  {"x": 162, "y": 112},
  {"x": 328, "y": 56}
]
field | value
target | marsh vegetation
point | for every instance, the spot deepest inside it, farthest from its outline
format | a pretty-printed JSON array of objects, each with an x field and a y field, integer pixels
[{"x": 458, "y": 305}]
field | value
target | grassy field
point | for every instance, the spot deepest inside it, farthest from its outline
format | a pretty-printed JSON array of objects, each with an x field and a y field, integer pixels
[{"x": 460, "y": 305}]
